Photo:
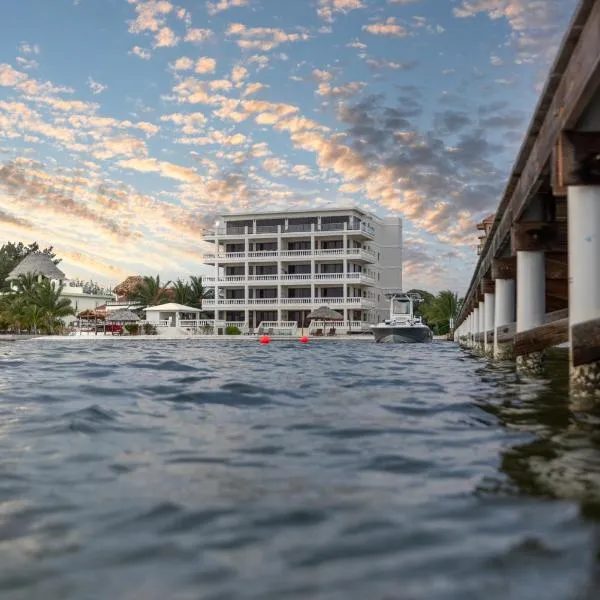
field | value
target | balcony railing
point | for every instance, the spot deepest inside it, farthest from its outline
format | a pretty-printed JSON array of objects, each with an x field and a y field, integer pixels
[
  {"x": 287, "y": 277},
  {"x": 233, "y": 231},
  {"x": 358, "y": 301},
  {"x": 275, "y": 254}
]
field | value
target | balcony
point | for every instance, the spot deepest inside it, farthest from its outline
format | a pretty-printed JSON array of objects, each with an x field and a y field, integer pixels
[
  {"x": 361, "y": 254},
  {"x": 287, "y": 303},
  {"x": 294, "y": 229},
  {"x": 289, "y": 278}
]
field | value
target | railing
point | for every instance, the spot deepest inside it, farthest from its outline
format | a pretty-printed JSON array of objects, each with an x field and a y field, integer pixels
[
  {"x": 225, "y": 256},
  {"x": 296, "y": 276},
  {"x": 298, "y": 228},
  {"x": 287, "y": 301},
  {"x": 339, "y": 326},
  {"x": 267, "y": 228},
  {"x": 269, "y": 277},
  {"x": 262, "y": 301},
  {"x": 287, "y": 328}
]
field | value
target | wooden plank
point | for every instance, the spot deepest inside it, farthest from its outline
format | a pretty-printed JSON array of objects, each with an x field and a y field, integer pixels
[
  {"x": 504, "y": 268},
  {"x": 572, "y": 83},
  {"x": 558, "y": 288},
  {"x": 585, "y": 342},
  {"x": 506, "y": 333},
  {"x": 542, "y": 337}
]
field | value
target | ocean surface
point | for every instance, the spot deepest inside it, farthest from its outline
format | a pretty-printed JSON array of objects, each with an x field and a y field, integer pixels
[{"x": 162, "y": 470}]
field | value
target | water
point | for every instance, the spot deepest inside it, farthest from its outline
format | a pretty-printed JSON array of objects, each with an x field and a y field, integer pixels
[{"x": 332, "y": 471}]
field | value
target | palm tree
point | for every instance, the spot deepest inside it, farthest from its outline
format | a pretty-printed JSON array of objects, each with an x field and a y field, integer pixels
[
  {"x": 199, "y": 292},
  {"x": 52, "y": 307},
  {"x": 183, "y": 292},
  {"x": 150, "y": 292},
  {"x": 26, "y": 286}
]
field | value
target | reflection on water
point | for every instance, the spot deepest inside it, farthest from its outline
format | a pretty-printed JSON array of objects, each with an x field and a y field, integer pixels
[{"x": 331, "y": 471}]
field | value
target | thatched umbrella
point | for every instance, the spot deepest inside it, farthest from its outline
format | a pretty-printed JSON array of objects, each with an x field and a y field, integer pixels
[
  {"x": 36, "y": 263},
  {"x": 92, "y": 314},
  {"x": 123, "y": 315},
  {"x": 324, "y": 313}
]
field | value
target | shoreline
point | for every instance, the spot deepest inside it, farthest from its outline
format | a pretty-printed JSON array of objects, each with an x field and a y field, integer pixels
[{"x": 220, "y": 338}]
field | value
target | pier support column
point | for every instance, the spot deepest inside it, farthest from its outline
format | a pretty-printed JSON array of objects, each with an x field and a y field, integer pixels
[
  {"x": 490, "y": 308},
  {"x": 481, "y": 327},
  {"x": 531, "y": 301},
  {"x": 584, "y": 290},
  {"x": 475, "y": 328},
  {"x": 504, "y": 273}
]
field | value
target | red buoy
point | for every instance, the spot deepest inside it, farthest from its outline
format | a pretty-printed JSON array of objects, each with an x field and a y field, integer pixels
[
  {"x": 304, "y": 340},
  {"x": 265, "y": 339}
]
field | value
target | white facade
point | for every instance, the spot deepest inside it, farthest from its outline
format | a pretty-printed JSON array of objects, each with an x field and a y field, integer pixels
[{"x": 277, "y": 267}]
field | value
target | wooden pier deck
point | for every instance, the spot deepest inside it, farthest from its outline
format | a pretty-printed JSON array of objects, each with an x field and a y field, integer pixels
[{"x": 541, "y": 251}]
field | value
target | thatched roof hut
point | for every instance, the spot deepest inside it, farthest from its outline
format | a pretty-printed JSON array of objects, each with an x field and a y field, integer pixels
[
  {"x": 324, "y": 313},
  {"x": 123, "y": 315},
  {"x": 126, "y": 288},
  {"x": 36, "y": 263}
]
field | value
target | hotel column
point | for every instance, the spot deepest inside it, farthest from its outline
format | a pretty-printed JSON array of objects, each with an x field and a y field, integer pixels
[
  {"x": 504, "y": 271},
  {"x": 312, "y": 262},
  {"x": 584, "y": 289},
  {"x": 279, "y": 273},
  {"x": 217, "y": 275}
]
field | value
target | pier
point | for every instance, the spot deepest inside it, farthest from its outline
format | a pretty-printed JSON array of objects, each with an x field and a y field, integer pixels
[{"x": 537, "y": 280}]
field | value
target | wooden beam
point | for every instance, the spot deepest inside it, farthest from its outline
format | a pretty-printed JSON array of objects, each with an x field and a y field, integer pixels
[
  {"x": 506, "y": 333},
  {"x": 557, "y": 269},
  {"x": 487, "y": 286},
  {"x": 557, "y": 288},
  {"x": 534, "y": 235},
  {"x": 542, "y": 337},
  {"x": 585, "y": 342},
  {"x": 504, "y": 268}
]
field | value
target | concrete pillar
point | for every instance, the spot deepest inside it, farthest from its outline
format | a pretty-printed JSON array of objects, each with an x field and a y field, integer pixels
[
  {"x": 475, "y": 326},
  {"x": 481, "y": 325},
  {"x": 584, "y": 285},
  {"x": 504, "y": 312},
  {"x": 531, "y": 301},
  {"x": 490, "y": 308}
]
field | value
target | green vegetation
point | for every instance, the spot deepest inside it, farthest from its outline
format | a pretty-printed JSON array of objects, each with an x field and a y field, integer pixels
[
  {"x": 151, "y": 292},
  {"x": 232, "y": 330},
  {"x": 34, "y": 306},
  {"x": 437, "y": 311},
  {"x": 149, "y": 329},
  {"x": 132, "y": 328},
  {"x": 11, "y": 254}
]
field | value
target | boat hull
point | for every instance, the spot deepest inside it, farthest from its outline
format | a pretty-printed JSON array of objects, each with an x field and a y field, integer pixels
[{"x": 402, "y": 335}]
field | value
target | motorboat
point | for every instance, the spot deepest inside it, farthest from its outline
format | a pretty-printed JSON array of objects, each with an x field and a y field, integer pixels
[{"x": 402, "y": 327}]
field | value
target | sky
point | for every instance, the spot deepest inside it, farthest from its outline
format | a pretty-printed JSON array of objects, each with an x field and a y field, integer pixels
[{"x": 128, "y": 126}]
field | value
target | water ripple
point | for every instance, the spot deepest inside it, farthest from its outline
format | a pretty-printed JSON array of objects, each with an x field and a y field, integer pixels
[{"x": 332, "y": 471}]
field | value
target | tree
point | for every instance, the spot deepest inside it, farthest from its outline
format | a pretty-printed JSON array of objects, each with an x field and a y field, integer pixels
[
  {"x": 183, "y": 292},
  {"x": 12, "y": 253},
  {"x": 199, "y": 292},
  {"x": 150, "y": 292},
  {"x": 53, "y": 307},
  {"x": 441, "y": 310}
]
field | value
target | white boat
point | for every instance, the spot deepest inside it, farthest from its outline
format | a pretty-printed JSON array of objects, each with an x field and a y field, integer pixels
[{"x": 402, "y": 327}]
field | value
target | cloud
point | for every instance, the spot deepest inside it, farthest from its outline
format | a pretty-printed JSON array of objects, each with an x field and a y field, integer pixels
[
  {"x": 163, "y": 168},
  {"x": 206, "y": 65},
  {"x": 327, "y": 8},
  {"x": 183, "y": 64},
  {"x": 150, "y": 15},
  {"x": 340, "y": 91},
  {"x": 198, "y": 36},
  {"x": 215, "y": 7},
  {"x": 141, "y": 53},
  {"x": 389, "y": 28},
  {"x": 262, "y": 38},
  {"x": 377, "y": 64},
  {"x": 536, "y": 25},
  {"x": 97, "y": 88},
  {"x": 165, "y": 38}
]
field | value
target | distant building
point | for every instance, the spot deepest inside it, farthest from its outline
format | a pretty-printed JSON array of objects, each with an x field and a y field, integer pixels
[
  {"x": 485, "y": 226},
  {"x": 277, "y": 267}
]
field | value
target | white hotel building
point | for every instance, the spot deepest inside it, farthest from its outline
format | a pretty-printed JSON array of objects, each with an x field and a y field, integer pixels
[{"x": 277, "y": 267}]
